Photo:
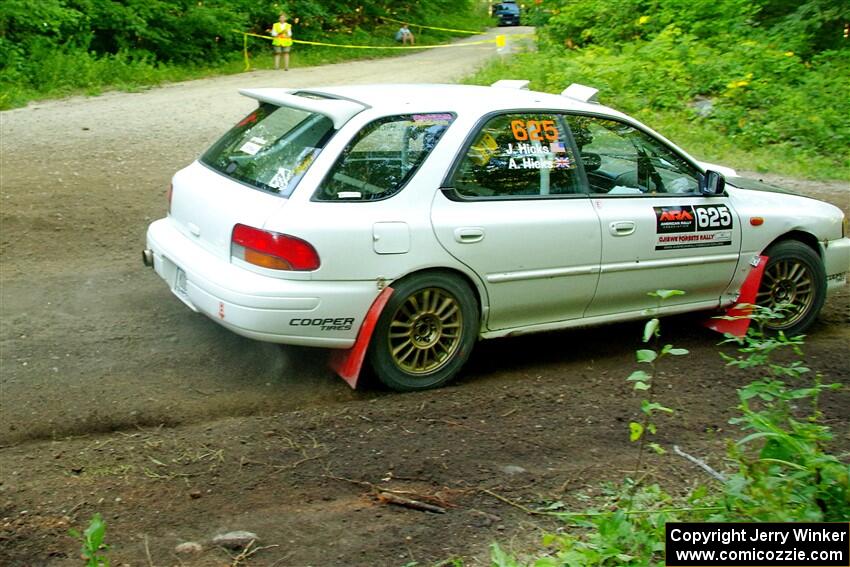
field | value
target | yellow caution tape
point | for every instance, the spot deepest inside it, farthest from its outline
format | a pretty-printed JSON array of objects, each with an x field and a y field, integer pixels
[
  {"x": 303, "y": 42},
  {"x": 500, "y": 41},
  {"x": 481, "y": 42},
  {"x": 431, "y": 27}
]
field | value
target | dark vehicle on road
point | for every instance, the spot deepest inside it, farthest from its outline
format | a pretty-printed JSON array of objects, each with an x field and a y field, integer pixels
[{"x": 506, "y": 13}]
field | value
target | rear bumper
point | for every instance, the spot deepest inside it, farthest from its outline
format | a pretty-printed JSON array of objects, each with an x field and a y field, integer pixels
[{"x": 298, "y": 312}]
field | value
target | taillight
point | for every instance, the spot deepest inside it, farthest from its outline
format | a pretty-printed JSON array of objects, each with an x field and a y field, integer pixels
[
  {"x": 168, "y": 196},
  {"x": 272, "y": 250}
]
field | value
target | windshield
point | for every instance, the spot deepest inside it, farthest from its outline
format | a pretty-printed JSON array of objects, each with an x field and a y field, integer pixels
[
  {"x": 271, "y": 148},
  {"x": 507, "y": 9}
]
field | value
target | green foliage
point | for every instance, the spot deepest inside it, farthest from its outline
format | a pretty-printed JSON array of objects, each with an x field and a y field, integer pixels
[
  {"x": 618, "y": 536},
  {"x": 644, "y": 381},
  {"x": 807, "y": 27},
  {"x": 187, "y": 31},
  {"x": 726, "y": 79},
  {"x": 56, "y": 47},
  {"x": 92, "y": 542},
  {"x": 784, "y": 472}
]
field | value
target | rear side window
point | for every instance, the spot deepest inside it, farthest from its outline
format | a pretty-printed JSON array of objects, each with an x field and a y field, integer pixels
[
  {"x": 383, "y": 157},
  {"x": 271, "y": 148}
]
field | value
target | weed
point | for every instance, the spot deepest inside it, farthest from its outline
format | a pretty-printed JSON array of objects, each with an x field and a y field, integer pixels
[
  {"x": 92, "y": 540},
  {"x": 784, "y": 472},
  {"x": 644, "y": 381}
]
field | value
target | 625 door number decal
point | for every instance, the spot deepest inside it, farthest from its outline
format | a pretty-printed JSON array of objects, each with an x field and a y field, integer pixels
[
  {"x": 693, "y": 226},
  {"x": 713, "y": 217}
]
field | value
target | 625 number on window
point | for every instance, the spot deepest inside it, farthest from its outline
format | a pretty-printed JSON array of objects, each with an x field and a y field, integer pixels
[
  {"x": 713, "y": 217},
  {"x": 534, "y": 130}
]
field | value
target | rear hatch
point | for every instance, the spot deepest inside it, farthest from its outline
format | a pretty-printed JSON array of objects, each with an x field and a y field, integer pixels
[{"x": 251, "y": 171}]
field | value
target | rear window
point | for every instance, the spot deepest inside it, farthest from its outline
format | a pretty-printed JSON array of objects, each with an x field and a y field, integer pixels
[
  {"x": 271, "y": 148},
  {"x": 383, "y": 157}
]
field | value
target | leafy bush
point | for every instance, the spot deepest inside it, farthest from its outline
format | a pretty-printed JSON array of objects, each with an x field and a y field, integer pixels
[
  {"x": 806, "y": 27},
  {"x": 53, "y": 47},
  {"x": 784, "y": 472},
  {"x": 735, "y": 80}
]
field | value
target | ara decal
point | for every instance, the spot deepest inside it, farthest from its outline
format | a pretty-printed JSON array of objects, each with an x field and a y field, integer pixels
[{"x": 693, "y": 226}]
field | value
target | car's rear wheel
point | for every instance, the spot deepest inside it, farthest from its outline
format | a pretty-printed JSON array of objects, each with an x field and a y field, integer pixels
[
  {"x": 795, "y": 278},
  {"x": 425, "y": 332}
]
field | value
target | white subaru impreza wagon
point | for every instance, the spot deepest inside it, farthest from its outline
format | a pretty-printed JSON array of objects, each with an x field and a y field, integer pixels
[{"x": 402, "y": 223}]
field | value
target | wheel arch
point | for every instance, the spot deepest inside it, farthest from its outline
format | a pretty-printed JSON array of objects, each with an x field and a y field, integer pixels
[
  {"x": 801, "y": 291},
  {"x": 477, "y": 288},
  {"x": 806, "y": 238}
]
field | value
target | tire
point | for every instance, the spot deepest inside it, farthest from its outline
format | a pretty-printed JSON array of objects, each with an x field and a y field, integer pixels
[
  {"x": 794, "y": 275},
  {"x": 425, "y": 333}
]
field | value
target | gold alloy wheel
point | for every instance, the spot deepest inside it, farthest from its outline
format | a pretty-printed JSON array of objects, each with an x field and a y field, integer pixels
[
  {"x": 425, "y": 331},
  {"x": 790, "y": 283}
]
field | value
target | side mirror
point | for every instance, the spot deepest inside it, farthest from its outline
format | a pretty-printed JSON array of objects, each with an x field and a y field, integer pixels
[{"x": 712, "y": 183}]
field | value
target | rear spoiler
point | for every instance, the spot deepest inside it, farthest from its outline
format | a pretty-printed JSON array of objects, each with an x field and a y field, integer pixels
[
  {"x": 581, "y": 93},
  {"x": 338, "y": 110}
]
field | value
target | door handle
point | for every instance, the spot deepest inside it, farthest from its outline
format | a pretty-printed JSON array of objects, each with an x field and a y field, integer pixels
[
  {"x": 622, "y": 228},
  {"x": 469, "y": 235}
]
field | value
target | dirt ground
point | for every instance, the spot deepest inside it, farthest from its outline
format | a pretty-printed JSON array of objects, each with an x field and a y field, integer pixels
[{"x": 114, "y": 398}]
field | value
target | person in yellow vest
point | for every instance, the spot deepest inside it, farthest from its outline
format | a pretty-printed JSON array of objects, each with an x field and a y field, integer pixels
[{"x": 282, "y": 34}]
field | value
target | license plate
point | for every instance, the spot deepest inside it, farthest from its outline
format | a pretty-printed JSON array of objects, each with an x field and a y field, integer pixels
[{"x": 180, "y": 283}]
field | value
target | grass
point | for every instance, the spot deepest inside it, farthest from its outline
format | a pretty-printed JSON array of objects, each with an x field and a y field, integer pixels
[{"x": 706, "y": 143}]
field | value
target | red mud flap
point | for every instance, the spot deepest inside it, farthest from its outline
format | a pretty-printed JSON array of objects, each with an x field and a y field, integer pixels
[
  {"x": 347, "y": 363},
  {"x": 742, "y": 310}
]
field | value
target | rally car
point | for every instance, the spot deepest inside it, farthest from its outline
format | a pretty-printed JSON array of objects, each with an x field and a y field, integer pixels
[{"x": 401, "y": 223}]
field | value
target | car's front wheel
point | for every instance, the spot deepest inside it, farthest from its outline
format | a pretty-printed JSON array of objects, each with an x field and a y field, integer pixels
[
  {"x": 425, "y": 332},
  {"x": 794, "y": 280}
]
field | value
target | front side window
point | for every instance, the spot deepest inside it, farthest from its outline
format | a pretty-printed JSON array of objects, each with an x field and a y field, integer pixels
[
  {"x": 621, "y": 160},
  {"x": 518, "y": 155},
  {"x": 271, "y": 148},
  {"x": 383, "y": 157}
]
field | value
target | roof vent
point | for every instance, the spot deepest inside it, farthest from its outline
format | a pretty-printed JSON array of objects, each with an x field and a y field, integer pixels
[
  {"x": 581, "y": 93},
  {"x": 520, "y": 85}
]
